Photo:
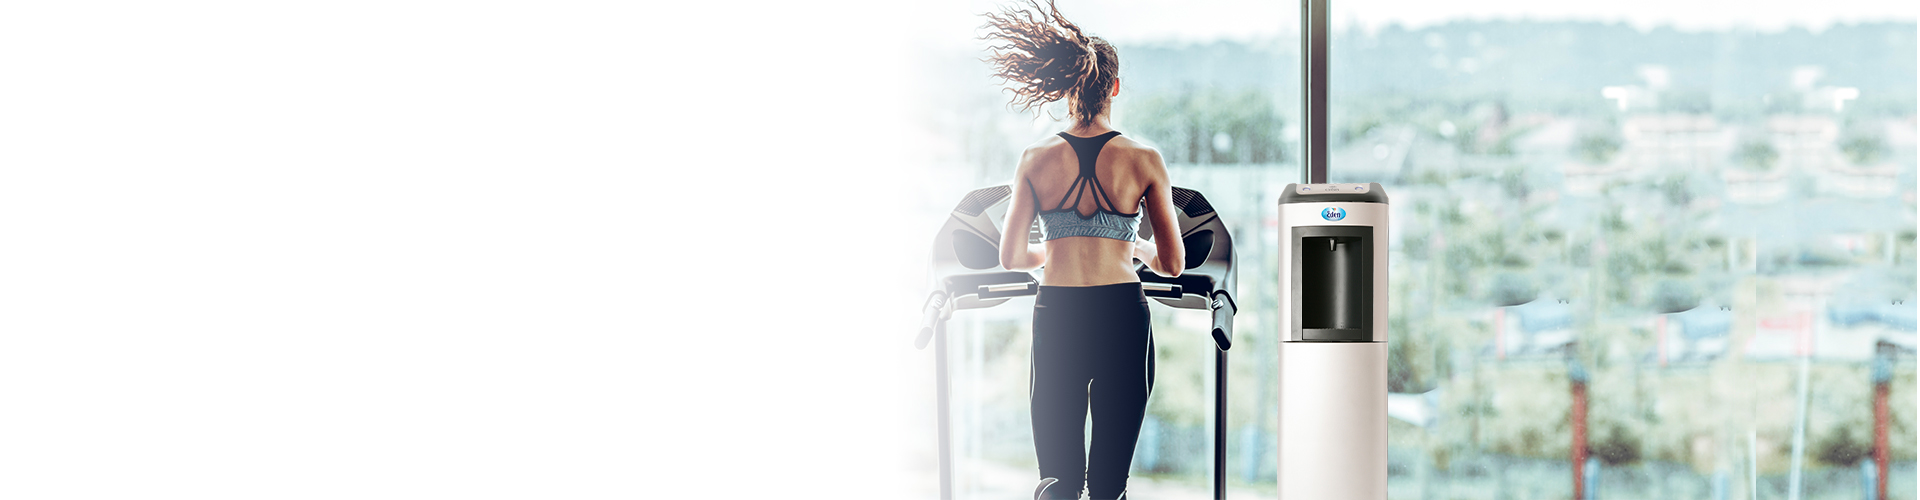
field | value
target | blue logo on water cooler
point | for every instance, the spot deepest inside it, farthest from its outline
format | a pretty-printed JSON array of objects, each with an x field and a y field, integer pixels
[{"x": 1333, "y": 213}]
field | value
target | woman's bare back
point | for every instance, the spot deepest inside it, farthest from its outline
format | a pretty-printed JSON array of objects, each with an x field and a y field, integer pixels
[{"x": 1126, "y": 170}]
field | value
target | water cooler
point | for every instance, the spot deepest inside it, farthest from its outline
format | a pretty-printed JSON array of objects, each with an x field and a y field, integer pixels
[{"x": 1333, "y": 342}]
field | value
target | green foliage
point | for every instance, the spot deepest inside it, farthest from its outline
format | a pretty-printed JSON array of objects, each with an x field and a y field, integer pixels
[
  {"x": 1621, "y": 267},
  {"x": 1431, "y": 177},
  {"x": 1580, "y": 254},
  {"x": 1687, "y": 101},
  {"x": 1513, "y": 181},
  {"x": 1862, "y": 148},
  {"x": 1842, "y": 448},
  {"x": 1619, "y": 447},
  {"x": 1613, "y": 220},
  {"x": 1527, "y": 412},
  {"x": 1756, "y": 153},
  {"x": 1180, "y": 397},
  {"x": 1460, "y": 260},
  {"x": 1357, "y": 128},
  {"x": 1416, "y": 245},
  {"x": 1186, "y": 125},
  {"x": 1676, "y": 190},
  {"x": 1401, "y": 376}
]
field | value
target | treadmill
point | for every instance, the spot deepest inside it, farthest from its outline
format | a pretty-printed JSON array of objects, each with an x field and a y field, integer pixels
[{"x": 967, "y": 275}]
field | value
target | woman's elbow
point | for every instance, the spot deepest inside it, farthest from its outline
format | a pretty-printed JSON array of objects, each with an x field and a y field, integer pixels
[
  {"x": 1012, "y": 261},
  {"x": 1172, "y": 265}
]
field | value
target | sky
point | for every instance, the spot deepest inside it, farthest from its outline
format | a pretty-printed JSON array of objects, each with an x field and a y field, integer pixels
[{"x": 1200, "y": 20}]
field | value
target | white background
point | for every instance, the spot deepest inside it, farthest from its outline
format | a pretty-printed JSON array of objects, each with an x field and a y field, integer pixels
[{"x": 426, "y": 249}]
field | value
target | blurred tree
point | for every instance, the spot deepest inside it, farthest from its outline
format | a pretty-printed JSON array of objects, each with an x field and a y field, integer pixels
[
  {"x": 1863, "y": 148},
  {"x": 1597, "y": 147},
  {"x": 1618, "y": 447},
  {"x": 1513, "y": 181},
  {"x": 1357, "y": 127},
  {"x": 1756, "y": 153},
  {"x": 1621, "y": 269},
  {"x": 1210, "y": 125},
  {"x": 1676, "y": 189},
  {"x": 1843, "y": 448},
  {"x": 1692, "y": 101},
  {"x": 1401, "y": 375}
]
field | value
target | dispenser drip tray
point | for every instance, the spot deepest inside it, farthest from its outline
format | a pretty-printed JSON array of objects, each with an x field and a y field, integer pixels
[{"x": 1335, "y": 334}]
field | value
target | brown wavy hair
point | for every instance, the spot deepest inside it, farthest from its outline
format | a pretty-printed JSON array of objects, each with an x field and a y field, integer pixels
[{"x": 1045, "y": 58}]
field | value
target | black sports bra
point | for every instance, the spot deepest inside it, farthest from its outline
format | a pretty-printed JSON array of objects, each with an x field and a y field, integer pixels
[{"x": 1064, "y": 220}]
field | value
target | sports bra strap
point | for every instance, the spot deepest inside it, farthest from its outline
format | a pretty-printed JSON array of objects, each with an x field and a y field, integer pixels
[{"x": 1087, "y": 149}]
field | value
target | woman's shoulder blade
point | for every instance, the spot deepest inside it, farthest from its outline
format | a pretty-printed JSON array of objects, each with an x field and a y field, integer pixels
[{"x": 1136, "y": 152}]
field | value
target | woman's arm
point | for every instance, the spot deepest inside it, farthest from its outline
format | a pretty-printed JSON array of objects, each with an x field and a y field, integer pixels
[
  {"x": 1168, "y": 255},
  {"x": 1015, "y": 253}
]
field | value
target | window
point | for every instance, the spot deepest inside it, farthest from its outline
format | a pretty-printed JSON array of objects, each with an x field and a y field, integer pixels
[
  {"x": 1656, "y": 219},
  {"x": 1667, "y": 228},
  {"x": 1219, "y": 97}
]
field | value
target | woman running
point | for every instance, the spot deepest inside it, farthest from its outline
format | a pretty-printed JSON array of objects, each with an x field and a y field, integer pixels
[{"x": 1088, "y": 185}]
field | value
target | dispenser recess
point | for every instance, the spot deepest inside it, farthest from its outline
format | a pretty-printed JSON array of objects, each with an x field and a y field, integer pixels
[{"x": 1333, "y": 279}]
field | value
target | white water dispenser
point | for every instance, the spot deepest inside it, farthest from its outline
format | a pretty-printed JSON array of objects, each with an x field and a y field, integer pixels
[{"x": 1333, "y": 342}]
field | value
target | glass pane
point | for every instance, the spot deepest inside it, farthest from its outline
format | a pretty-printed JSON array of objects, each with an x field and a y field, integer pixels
[
  {"x": 1699, "y": 235},
  {"x": 1214, "y": 86}
]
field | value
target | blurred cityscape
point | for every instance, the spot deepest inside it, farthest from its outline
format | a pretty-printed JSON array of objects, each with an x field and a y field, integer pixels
[{"x": 1703, "y": 242}]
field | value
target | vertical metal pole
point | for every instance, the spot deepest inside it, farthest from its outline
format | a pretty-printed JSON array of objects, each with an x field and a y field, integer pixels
[
  {"x": 1500, "y": 333},
  {"x": 1798, "y": 460},
  {"x": 1219, "y": 424},
  {"x": 1660, "y": 337},
  {"x": 1579, "y": 417},
  {"x": 1579, "y": 439},
  {"x": 1753, "y": 464},
  {"x": 1592, "y": 479},
  {"x": 1882, "y": 378},
  {"x": 946, "y": 434},
  {"x": 1313, "y": 86}
]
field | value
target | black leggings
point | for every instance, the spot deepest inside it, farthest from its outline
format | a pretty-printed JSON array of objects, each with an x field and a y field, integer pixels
[{"x": 1092, "y": 347}]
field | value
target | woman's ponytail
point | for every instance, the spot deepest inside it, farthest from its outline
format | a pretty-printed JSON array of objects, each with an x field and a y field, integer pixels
[{"x": 1046, "y": 58}]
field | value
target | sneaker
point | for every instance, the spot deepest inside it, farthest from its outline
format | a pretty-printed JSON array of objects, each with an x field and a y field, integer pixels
[{"x": 1040, "y": 492}]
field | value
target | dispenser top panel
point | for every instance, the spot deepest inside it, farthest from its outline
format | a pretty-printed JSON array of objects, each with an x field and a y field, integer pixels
[{"x": 1370, "y": 192}]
